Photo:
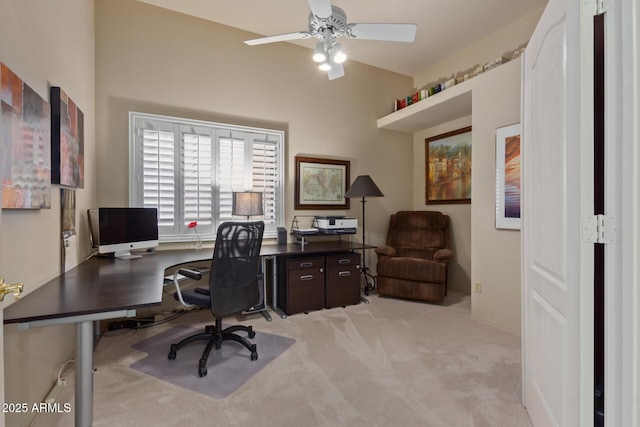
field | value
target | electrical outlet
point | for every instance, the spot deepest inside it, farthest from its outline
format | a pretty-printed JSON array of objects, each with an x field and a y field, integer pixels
[{"x": 477, "y": 287}]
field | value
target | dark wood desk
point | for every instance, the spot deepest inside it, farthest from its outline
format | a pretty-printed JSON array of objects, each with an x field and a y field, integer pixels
[
  {"x": 97, "y": 289},
  {"x": 107, "y": 288}
]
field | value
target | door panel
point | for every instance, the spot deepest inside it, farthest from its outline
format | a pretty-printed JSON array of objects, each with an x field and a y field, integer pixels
[
  {"x": 2, "y": 400},
  {"x": 557, "y": 193}
]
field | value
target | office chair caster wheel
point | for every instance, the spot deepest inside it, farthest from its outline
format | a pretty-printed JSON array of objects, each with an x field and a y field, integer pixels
[
  {"x": 202, "y": 369},
  {"x": 172, "y": 352},
  {"x": 252, "y": 334},
  {"x": 254, "y": 355}
]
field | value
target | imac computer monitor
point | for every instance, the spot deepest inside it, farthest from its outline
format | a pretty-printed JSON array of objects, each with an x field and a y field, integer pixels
[{"x": 124, "y": 229}]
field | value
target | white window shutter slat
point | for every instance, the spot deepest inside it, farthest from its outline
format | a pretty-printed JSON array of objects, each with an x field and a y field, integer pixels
[{"x": 190, "y": 169}]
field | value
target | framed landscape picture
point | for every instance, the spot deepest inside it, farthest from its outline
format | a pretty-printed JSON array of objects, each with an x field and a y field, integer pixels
[
  {"x": 508, "y": 177},
  {"x": 321, "y": 183},
  {"x": 448, "y": 168}
]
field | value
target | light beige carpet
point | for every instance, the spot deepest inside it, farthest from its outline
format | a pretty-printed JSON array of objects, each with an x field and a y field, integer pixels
[{"x": 388, "y": 363}]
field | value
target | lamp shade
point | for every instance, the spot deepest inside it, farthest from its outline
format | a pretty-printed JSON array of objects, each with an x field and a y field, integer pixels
[
  {"x": 247, "y": 203},
  {"x": 363, "y": 186}
]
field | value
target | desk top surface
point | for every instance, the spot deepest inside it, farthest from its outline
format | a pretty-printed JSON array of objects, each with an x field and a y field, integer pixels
[{"x": 108, "y": 284}]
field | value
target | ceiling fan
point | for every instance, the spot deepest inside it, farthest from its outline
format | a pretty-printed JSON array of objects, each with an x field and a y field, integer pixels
[{"x": 328, "y": 23}]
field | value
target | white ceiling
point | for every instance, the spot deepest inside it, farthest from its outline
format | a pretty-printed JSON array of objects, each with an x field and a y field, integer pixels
[{"x": 444, "y": 26}]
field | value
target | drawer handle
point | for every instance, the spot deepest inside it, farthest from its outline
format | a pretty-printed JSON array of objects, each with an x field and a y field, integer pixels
[
  {"x": 344, "y": 273},
  {"x": 306, "y": 264},
  {"x": 307, "y": 277},
  {"x": 344, "y": 261}
]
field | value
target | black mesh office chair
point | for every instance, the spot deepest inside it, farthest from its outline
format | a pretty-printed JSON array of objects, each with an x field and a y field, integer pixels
[{"x": 233, "y": 287}]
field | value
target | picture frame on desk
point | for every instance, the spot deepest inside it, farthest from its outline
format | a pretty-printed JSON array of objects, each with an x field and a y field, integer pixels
[{"x": 321, "y": 183}]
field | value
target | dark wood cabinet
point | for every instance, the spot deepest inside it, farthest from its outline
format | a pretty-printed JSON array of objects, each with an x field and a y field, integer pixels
[
  {"x": 301, "y": 284},
  {"x": 308, "y": 283},
  {"x": 342, "y": 285}
]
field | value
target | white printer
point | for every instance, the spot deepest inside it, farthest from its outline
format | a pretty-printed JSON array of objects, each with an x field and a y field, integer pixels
[{"x": 336, "y": 224}]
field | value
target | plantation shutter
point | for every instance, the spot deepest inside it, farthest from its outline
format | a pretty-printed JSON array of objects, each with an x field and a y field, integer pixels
[
  {"x": 158, "y": 152},
  {"x": 197, "y": 173},
  {"x": 231, "y": 172},
  {"x": 266, "y": 176},
  {"x": 189, "y": 169}
]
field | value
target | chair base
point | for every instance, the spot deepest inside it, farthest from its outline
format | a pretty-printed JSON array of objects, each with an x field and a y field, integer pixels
[{"x": 215, "y": 335}]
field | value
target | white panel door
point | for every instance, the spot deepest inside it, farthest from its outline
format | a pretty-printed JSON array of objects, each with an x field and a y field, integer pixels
[
  {"x": 1, "y": 313},
  {"x": 557, "y": 193}
]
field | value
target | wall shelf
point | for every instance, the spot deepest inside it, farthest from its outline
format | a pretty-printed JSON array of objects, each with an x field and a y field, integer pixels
[{"x": 451, "y": 104}]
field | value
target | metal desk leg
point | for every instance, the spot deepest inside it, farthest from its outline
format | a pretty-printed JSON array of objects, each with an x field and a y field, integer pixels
[
  {"x": 274, "y": 289},
  {"x": 84, "y": 374}
]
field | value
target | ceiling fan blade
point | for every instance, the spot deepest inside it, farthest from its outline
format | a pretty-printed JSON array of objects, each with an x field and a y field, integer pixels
[
  {"x": 279, "y": 38},
  {"x": 321, "y": 8},
  {"x": 383, "y": 32},
  {"x": 336, "y": 71}
]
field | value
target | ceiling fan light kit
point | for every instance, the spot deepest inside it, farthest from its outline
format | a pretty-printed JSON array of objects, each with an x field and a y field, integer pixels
[
  {"x": 338, "y": 54},
  {"x": 319, "y": 54},
  {"x": 328, "y": 23},
  {"x": 325, "y": 66}
]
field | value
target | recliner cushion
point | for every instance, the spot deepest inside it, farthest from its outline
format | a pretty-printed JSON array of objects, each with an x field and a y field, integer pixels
[
  {"x": 417, "y": 229},
  {"x": 420, "y": 270},
  {"x": 409, "y": 252}
]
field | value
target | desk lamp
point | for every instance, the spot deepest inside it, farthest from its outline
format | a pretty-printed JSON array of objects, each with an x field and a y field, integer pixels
[
  {"x": 247, "y": 203},
  {"x": 363, "y": 187}
]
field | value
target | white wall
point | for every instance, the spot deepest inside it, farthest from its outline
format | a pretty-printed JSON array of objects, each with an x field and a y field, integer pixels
[
  {"x": 46, "y": 44},
  {"x": 207, "y": 72},
  {"x": 504, "y": 40},
  {"x": 484, "y": 254},
  {"x": 495, "y": 253},
  {"x": 459, "y": 214}
]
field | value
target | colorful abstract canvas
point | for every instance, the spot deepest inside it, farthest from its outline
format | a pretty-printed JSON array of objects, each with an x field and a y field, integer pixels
[
  {"x": 25, "y": 144},
  {"x": 508, "y": 177},
  {"x": 67, "y": 140}
]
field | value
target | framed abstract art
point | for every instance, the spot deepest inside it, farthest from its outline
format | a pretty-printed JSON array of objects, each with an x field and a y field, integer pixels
[
  {"x": 67, "y": 140},
  {"x": 25, "y": 144},
  {"x": 508, "y": 177}
]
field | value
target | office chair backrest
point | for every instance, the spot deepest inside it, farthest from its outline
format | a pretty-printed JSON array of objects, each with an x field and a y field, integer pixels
[{"x": 233, "y": 282}]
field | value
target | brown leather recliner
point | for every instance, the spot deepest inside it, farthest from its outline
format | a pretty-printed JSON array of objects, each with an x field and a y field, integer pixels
[{"x": 413, "y": 263}]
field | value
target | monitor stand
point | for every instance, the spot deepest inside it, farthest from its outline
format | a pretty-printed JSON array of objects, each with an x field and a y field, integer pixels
[{"x": 126, "y": 255}]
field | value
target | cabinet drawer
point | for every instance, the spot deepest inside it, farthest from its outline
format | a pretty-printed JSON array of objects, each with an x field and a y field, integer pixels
[
  {"x": 343, "y": 260},
  {"x": 305, "y": 290},
  {"x": 300, "y": 263},
  {"x": 342, "y": 286}
]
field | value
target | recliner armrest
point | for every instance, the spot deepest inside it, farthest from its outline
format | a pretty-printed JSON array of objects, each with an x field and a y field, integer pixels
[
  {"x": 385, "y": 251},
  {"x": 443, "y": 255}
]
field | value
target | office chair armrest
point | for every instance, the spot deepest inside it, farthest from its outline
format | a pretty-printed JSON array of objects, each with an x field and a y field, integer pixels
[{"x": 192, "y": 274}]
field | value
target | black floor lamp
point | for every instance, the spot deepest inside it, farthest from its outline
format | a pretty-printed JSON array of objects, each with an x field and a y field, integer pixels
[{"x": 363, "y": 187}]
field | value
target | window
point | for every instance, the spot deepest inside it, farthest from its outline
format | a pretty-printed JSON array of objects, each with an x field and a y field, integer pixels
[{"x": 189, "y": 169}]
